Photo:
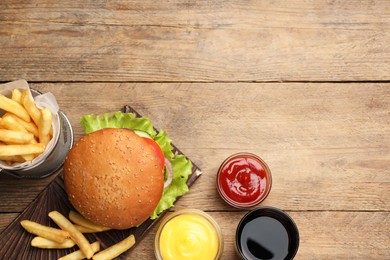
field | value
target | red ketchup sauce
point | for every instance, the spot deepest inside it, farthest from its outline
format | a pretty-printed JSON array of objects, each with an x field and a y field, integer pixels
[{"x": 244, "y": 180}]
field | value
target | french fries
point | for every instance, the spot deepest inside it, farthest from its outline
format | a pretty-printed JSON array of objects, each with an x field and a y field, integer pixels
[
  {"x": 23, "y": 149},
  {"x": 53, "y": 234},
  {"x": 76, "y": 235},
  {"x": 77, "y": 255},
  {"x": 83, "y": 229},
  {"x": 9, "y": 122},
  {"x": 14, "y": 107},
  {"x": 47, "y": 243},
  {"x": 25, "y": 129},
  {"x": 44, "y": 126},
  {"x": 29, "y": 126},
  {"x": 15, "y": 137},
  {"x": 14, "y": 158},
  {"x": 70, "y": 238},
  {"x": 16, "y": 95},
  {"x": 115, "y": 250},
  {"x": 30, "y": 107},
  {"x": 83, "y": 222}
]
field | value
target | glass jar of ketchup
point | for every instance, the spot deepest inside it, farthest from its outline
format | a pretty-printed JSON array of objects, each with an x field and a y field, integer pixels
[{"x": 244, "y": 180}]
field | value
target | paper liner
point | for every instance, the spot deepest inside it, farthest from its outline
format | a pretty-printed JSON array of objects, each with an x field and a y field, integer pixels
[{"x": 43, "y": 100}]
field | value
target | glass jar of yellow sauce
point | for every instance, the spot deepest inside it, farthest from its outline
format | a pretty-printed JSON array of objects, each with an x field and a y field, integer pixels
[{"x": 188, "y": 234}]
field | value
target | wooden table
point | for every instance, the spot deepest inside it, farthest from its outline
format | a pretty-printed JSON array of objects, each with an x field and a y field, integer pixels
[{"x": 303, "y": 84}]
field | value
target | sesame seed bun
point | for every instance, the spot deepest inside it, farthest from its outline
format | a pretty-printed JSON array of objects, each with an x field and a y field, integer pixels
[{"x": 113, "y": 178}]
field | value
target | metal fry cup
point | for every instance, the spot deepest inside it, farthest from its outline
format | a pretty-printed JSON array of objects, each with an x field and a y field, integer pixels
[{"x": 56, "y": 150}]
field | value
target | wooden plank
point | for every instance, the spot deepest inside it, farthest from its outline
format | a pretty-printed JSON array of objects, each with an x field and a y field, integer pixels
[
  {"x": 5, "y": 219},
  {"x": 195, "y": 41},
  {"x": 17, "y": 194},
  {"x": 323, "y": 235},
  {"x": 326, "y": 144}
]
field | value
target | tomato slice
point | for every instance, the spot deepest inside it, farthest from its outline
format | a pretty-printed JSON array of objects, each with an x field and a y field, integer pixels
[{"x": 157, "y": 150}]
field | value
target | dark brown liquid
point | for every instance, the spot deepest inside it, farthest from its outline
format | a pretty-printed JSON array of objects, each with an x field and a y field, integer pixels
[{"x": 264, "y": 238}]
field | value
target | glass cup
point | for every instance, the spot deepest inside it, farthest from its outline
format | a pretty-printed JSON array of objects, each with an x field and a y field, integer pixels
[
  {"x": 244, "y": 180},
  {"x": 198, "y": 231}
]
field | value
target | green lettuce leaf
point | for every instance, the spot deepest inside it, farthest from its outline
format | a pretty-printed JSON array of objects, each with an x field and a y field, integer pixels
[
  {"x": 182, "y": 167},
  {"x": 91, "y": 123},
  {"x": 165, "y": 144}
]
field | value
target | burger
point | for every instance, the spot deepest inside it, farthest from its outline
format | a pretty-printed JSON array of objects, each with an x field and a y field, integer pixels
[{"x": 122, "y": 172}]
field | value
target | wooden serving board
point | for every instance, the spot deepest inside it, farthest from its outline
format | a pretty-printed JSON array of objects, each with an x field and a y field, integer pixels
[{"x": 15, "y": 241}]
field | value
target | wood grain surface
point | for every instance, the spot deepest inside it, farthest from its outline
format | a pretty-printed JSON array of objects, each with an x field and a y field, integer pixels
[
  {"x": 325, "y": 143},
  {"x": 204, "y": 40},
  {"x": 326, "y": 146},
  {"x": 303, "y": 84}
]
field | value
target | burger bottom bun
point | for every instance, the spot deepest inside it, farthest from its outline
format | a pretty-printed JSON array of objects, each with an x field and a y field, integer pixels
[{"x": 113, "y": 178}]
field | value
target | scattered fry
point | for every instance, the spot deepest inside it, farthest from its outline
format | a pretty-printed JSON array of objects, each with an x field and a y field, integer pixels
[
  {"x": 115, "y": 250},
  {"x": 53, "y": 234},
  {"x": 76, "y": 235},
  {"x": 73, "y": 237},
  {"x": 77, "y": 255},
  {"x": 80, "y": 220},
  {"x": 47, "y": 243},
  {"x": 84, "y": 229},
  {"x": 14, "y": 107}
]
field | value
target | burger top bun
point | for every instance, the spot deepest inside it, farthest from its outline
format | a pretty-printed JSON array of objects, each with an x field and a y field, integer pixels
[{"x": 113, "y": 178}]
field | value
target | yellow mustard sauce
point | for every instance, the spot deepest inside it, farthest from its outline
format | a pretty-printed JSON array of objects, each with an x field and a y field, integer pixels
[{"x": 189, "y": 236}]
